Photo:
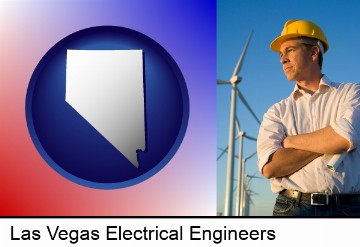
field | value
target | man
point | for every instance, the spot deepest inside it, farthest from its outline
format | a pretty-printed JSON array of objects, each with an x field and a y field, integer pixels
[{"x": 301, "y": 135}]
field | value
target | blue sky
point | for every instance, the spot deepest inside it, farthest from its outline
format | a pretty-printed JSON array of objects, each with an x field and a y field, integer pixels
[{"x": 263, "y": 81}]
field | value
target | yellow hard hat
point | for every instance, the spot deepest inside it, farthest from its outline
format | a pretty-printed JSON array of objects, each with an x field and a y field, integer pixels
[{"x": 299, "y": 28}]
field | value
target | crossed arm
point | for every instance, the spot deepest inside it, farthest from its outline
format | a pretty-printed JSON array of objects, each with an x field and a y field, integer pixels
[{"x": 299, "y": 150}]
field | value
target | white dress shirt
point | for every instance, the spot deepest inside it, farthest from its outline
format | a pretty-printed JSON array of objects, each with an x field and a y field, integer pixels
[{"x": 334, "y": 104}]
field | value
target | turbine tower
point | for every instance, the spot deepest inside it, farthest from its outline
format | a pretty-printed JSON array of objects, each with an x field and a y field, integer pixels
[{"x": 234, "y": 81}]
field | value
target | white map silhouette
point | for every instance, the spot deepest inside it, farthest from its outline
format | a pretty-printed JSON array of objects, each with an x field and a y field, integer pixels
[{"x": 106, "y": 88}]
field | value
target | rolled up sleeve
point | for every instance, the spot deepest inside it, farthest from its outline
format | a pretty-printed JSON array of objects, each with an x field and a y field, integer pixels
[
  {"x": 271, "y": 135},
  {"x": 347, "y": 124},
  {"x": 349, "y": 127}
]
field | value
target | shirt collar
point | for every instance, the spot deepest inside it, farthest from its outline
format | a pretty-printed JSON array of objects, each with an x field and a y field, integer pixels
[{"x": 325, "y": 82}]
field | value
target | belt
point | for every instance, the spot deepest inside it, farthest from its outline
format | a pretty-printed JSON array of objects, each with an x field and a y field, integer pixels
[{"x": 321, "y": 198}]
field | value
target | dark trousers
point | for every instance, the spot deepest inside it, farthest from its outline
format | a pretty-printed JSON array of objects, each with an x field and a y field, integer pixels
[{"x": 289, "y": 207}]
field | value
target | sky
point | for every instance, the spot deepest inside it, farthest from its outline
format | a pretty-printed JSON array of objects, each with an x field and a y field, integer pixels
[{"x": 264, "y": 82}]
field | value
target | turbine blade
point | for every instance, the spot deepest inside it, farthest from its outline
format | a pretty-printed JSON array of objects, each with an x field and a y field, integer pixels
[
  {"x": 254, "y": 193},
  {"x": 251, "y": 201},
  {"x": 222, "y": 82},
  {"x": 223, "y": 152},
  {"x": 247, "y": 105},
  {"x": 250, "y": 138},
  {"x": 226, "y": 149},
  {"x": 241, "y": 58},
  {"x": 237, "y": 124},
  {"x": 255, "y": 177},
  {"x": 249, "y": 157}
]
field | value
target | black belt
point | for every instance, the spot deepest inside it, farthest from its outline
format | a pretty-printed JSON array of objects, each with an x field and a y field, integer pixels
[{"x": 321, "y": 198}]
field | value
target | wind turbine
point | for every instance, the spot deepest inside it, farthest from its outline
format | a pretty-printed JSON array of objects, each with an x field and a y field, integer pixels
[
  {"x": 243, "y": 186},
  {"x": 234, "y": 80},
  {"x": 249, "y": 193}
]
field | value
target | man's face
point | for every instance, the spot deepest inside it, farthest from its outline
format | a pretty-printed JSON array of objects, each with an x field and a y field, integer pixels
[{"x": 295, "y": 59}]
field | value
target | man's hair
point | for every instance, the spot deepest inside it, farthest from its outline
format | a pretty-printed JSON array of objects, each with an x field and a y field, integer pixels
[
  {"x": 311, "y": 42},
  {"x": 320, "y": 55}
]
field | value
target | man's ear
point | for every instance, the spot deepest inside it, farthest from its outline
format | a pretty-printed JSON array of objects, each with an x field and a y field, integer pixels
[{"x": 315, "y": 52}]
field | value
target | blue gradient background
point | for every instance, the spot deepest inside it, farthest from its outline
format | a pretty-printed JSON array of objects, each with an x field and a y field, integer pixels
[{"x": 186, "y": 185}]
